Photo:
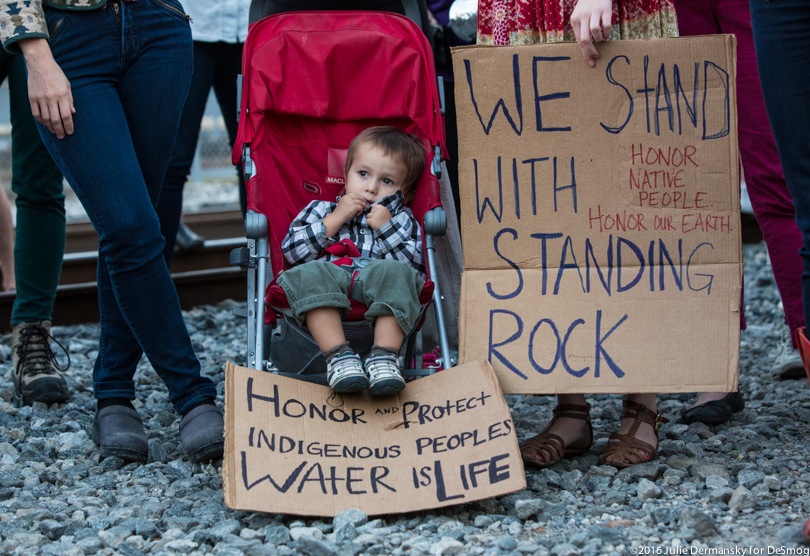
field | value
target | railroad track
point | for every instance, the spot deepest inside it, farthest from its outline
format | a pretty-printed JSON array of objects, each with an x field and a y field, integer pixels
[{"x": 201, "y": 277}]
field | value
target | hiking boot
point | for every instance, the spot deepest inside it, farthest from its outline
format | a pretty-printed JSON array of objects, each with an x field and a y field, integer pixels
[
  {"x": 37, "y": 375},
  {"x": 345, "y": 373},
  {"x": 385, "y": 377}
]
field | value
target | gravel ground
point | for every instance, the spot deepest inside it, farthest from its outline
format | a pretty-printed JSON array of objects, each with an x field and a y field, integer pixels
[{"x": 740, "y": 487}]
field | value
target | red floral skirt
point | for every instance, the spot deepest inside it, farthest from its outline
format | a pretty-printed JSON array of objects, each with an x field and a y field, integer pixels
[{"x": 512, "y": 22}]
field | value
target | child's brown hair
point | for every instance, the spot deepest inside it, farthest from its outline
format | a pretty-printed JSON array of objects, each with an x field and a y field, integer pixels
[{"x": 393, "y": 142}]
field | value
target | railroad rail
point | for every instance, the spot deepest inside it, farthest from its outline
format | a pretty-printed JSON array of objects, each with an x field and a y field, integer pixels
[{"x": 202, "y": 277}]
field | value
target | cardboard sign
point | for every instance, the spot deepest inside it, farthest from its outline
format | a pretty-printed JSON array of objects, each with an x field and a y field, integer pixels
[
  {"x": 295, "y": 447},
  {"x": 600, "y": 215}
]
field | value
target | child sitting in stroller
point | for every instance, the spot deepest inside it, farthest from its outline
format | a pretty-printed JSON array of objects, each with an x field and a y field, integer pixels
[{"x": 384, "y": 271}]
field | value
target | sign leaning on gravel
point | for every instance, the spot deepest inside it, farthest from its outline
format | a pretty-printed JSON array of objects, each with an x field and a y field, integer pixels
[
  {"x": 295, "y": 447},
  {"x": 600, "y": 215}
]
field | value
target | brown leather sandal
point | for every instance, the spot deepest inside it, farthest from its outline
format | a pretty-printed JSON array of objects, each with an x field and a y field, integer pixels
[
  {"x": 546, "y": 449},
  {"x": 625, "y": 450}
]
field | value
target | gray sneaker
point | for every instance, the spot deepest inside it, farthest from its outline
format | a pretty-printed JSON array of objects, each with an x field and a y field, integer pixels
[
  {"x": 345, "y": 373},
  {"x": 37, "y": 375},
  {"x": 385, "y": 377},
  {"x": 788, "y": 362}
]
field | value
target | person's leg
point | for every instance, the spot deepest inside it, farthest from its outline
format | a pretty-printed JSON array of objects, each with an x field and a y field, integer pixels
[
  {"x": 569, "y": 433},
  {"x": 697, "y": 17},
  {"x": 318, "y": 295},
  {"x": 6, "y": 242},
  {"x": 326, "y": 327},
  {"x": 390, "y": 291},
  {"x": 767, "y": 189},
  {"x": 163, "y": 63},
  {"x": 314, "y": 285},
  {"x": 636, "y": 441},
  {"x": 388, "y": 333},
  {"x": 37, "y": 183},
  {"x": 229, "y": 66},
  {"x": 781, "y": 31},
  {"x": 170, "y": 203},
  {"x": 117, "y": 176},
  {"x": 38, "y": 249},
  {"x": 389, "y": 288}
]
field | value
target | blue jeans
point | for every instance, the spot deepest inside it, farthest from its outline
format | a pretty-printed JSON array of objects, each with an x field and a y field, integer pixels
[
  {"x": 781, "y": 35},
  {"x": 129, "y": 67}
]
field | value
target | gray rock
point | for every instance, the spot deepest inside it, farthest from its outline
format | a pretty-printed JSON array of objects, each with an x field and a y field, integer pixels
[
  {"x": 528, "y": 547},
  {"x": 750, "y": 478},
  {"x": 276, "y": 535},
  {"x": 510, "y": 500},
  {"x": 605, "y": 535},
  {"x": 126, "y": 549},
  {"x": 556, "y": 510},
  {"x": 580, "y": 539},
  {"x": 722, "y": 495},
  {"x": 650, "y": 470},
  {"x": 615, "y": 496},
  {"x": 354, "y": 516},
  {"x": 447, "y": 546},
  {"x": 703, "y": 470},
  {"x": 525, "y": 509},
  {"x": 483, "y": 521},
  {"x": 507, "y": 543},
  {"x": 564, "y": 549},
  {"x": 742, "y": 499},
  {"x": 596, "y": 483},
  {"x": 314, "y": 547},
  {"x": 772, "y": 482},
  {"x": 51, "y": 528},
  {"x": 699, "y": 522},
  {"x": 790, "y": 535},
  {"x": 227, "y": 527},
  {"x": 716, "y": 481},
  {"x": 344, "y": 533},
  {"x": 297, "y": 532},
  {"x": 571, "y": 480},
  {"x": 648, "y": 490}
]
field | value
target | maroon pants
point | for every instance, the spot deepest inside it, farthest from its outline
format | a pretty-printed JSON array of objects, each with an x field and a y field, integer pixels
[{"x": 764, "y": 180}]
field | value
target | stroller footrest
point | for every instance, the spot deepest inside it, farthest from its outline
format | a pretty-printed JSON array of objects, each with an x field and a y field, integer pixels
[{"x": 240, "y": 257}]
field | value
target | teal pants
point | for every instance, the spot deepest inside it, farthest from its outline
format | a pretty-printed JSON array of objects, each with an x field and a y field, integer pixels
[{"x": 37, "y": 183}]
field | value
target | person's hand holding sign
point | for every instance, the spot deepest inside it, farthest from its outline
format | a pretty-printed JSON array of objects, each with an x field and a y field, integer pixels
[{"x": 591, "y": 22}]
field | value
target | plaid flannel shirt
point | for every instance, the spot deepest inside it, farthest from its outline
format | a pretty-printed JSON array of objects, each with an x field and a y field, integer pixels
[{"x": 400, "y": 238}]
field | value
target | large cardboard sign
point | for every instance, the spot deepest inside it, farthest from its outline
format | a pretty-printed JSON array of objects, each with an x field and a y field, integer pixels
[
  {"x": 295, "y": 447},
  {"x": 600, "y": 215}
]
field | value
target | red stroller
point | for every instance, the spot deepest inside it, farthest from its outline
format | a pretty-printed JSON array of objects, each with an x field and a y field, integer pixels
[{"x": 311, "y": 82}]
